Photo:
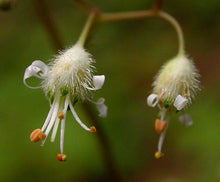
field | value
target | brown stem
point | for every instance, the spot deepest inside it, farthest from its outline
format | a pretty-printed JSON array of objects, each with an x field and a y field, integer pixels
[
  {"x": 84, "y": 6},
  {"x": 107, "y": 17},
  {"x": 113, "y": 174},
  {"x": 45, "y": 17},
  {"x": 158, "y": 5}
]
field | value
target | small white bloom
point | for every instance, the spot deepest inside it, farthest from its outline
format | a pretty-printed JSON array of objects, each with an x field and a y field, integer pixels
[
  {"x": 186, "y": 120},
  {"x": 37, "y": 69},
  {"x": 174, "y": 88},
  {"x": 177, "y": 77},
  {"x": 66, "y": 80},
  {"x": 152, "y": 100},
  {"x": 180, "y": 102}
]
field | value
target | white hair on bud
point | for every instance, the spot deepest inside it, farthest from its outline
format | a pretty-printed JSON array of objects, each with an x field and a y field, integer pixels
[
  {"x": 73, "y": 69},
  {"x": 178, "y": 76}
]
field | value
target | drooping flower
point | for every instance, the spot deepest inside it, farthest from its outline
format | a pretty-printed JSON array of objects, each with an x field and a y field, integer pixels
[
  {"x": 67, "y": 79},
  {"x": 173, "y": 90}
]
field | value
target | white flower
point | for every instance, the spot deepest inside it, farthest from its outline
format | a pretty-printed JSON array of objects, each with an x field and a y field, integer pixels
[
  {"x": 66, "y": 80},
  {"x": 173, "y": 89},
  {"x": 186, "y": 120}
]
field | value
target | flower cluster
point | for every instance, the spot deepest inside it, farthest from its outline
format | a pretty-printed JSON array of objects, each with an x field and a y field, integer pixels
[
  {"x": 70, "y": 78},
  {"x": 173, "y": 90},
  {"x": 66, "y": 80}
]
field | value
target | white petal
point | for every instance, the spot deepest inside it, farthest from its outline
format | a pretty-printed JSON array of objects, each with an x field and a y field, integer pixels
[
  {"x": 37, "y": 69},
  {"x": 152, "y": 100},
  {"x": 98, "y": 81},
  {"x": 180, "y": 102},
  {"x": 42, "y": 66},
  {"x": 100, "y": 101},
  {"x": 186, "y": 120},
  {"x": 102, "y": 108}
]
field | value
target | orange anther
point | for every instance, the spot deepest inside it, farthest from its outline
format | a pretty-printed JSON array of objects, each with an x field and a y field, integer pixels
[
  {"x": 92, "y": 129},
  {"x": 60, "y": 115},
  {"x": 42, "y": 136},
  {"x": 36, "y": 135},
  {"x": 185, "y": 95},
  {"x": 158, "y": 155},
  {"x": 61, "y": 157},
  {"x": 159, "y": 125}
]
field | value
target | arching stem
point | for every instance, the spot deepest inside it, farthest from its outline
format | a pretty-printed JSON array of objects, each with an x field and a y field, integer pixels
[{"x": 87, "y": 28}]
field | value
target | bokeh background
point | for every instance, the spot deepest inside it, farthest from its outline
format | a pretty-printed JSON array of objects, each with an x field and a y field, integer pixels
[{"x": 129, "y": 53}]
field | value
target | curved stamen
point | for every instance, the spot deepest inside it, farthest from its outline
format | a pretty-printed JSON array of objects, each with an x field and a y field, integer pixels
[
  {"x": 55, "y": 127},
  {"x": 159, "y": 154},
  {"x": 77, "y": 118},
  {"x": 52, "y": 120},
  {"x": 61, "y": 115},
  {"x": 48, "y": 116},
  {"x": 62, "y": 129}
]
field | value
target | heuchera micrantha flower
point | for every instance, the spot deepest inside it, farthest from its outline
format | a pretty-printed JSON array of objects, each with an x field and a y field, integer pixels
[
  {"x": 174, "y": 88},
  {"x": 67, "y": 79}
]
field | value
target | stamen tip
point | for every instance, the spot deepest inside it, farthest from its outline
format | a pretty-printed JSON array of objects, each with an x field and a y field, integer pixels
[
  {"x": 185, "y": 95},
  {"x": 158, "y": 155},
  {"x": 37, "y": 135},
  {"x": 159, "y": 126},
  {"x": 60, "y": 115},
  {"x": 92, "y": 129},
  {"x": 61, "y": 157}
]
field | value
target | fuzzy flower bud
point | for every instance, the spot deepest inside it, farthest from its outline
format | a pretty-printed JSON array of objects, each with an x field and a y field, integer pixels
[
  {"x": 174, "y": 88},
  {"x": 72, "y": 71},
  {"x": 177, "y": 77},
  {"x": 66, "y": 80}
]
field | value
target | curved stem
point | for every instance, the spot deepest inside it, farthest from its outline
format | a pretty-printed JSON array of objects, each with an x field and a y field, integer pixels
[
  {"x": 158, "y": 5},
  {"x": 108, "y": 17},
  {"x": 44, "y": 16},
  {"x": 113, "y": 174},
  {"x": 86, "y": 8},
  {"x": 176, "y": 26},
  {"x": 87, "y": 28}
]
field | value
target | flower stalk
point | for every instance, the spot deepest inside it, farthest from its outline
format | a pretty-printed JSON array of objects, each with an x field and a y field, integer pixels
[
  {"x": 87, "y": 28},
  {"x": 177, "y": 28}
]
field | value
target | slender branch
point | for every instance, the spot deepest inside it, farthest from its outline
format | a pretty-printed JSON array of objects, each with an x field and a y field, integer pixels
[
  {"x": 87, "y": 28},
  {"x": 177, "y": 28},
  {"x": 158, "y": 5},
  {"x": 113, "y": 174},
  {"x": 108, "y": 17},
  {"x": 43, "y": 13},
  {"x": 84, "y": 6},
  {"x": 44, "y": 16},
  {"x": 155, "y": 12}
]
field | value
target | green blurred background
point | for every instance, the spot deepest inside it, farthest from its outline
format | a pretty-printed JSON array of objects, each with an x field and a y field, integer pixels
[{"x": 129, "y": 53}]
